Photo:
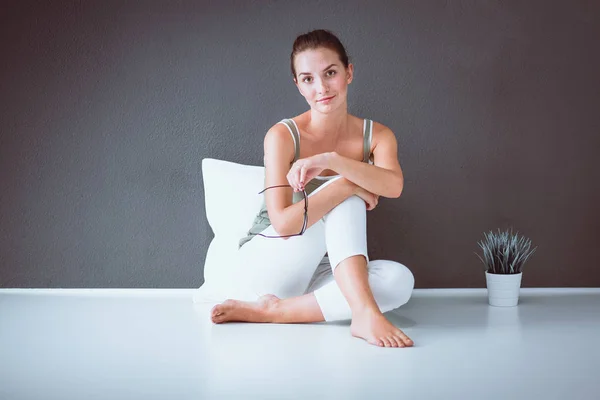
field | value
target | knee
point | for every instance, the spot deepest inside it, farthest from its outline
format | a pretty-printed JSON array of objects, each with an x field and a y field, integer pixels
[
  {"x": 353, "y": 202},
  {"x": 356, "y": 201},
  {"x": 400, "y": 282}
]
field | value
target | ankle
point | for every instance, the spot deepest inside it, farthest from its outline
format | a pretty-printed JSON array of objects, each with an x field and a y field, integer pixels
[
  {"x": 273, "y": 311},
  {"x": 365, "y": 311}
]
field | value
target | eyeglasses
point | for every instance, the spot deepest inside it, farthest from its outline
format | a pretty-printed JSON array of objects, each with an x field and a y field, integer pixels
[{"x": 305, "y": 214}]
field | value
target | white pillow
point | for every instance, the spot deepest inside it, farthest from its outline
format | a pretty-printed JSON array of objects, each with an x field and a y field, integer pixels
[{"x": 232, "y": 202}]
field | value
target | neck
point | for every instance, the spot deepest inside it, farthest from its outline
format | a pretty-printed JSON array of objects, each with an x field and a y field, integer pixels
[{"x": 329, "y": 127}]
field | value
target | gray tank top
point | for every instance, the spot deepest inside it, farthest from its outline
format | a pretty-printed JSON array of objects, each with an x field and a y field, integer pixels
[{"x": 262, "y": 221}]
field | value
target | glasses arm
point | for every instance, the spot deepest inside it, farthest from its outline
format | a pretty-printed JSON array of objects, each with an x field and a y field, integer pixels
[{"x": 271, "y": 187}]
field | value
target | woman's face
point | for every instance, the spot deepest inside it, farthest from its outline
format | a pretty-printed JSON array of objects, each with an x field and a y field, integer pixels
[{"x": 322, "y": 79}]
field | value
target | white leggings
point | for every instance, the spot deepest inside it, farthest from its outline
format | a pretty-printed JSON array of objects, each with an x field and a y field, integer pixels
[{"x": 296, "y": 266}]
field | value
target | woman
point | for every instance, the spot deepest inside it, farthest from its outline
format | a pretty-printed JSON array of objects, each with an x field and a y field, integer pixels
[{"x": 343, "y": 163}]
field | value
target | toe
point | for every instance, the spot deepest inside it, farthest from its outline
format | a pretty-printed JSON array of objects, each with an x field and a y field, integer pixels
[
  {"x": 217, "y": 310},
  {"x": 393, "y": 342},
  {"x": 386, "y": 342},
  {"x": 405, "y": 339},
  {"x": 399, "y": 341},
  {"x": 217, "y": 319}
]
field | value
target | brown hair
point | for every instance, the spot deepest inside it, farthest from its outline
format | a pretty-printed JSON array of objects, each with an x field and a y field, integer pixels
[{"x": 314, "y": 40}]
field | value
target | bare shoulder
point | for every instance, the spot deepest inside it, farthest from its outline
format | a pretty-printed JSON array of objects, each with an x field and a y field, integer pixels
[
  {"x": 279, "y": 143},
  {"x": 278, "y": 130},
  {"x": 385, "y": 148},
  {"x": 380, "y": 129},
  {"x": 382, "y": 134}
]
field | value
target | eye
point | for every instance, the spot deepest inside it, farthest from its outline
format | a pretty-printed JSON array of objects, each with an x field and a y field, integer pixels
[
  {"x": 304, "y": 80},
  {"x": 332, "y": 72}
]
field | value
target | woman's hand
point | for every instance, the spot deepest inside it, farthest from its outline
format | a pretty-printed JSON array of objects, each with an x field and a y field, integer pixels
[
  {"x": 371, "y": 199},
  {"x": 306, "y": 169}
]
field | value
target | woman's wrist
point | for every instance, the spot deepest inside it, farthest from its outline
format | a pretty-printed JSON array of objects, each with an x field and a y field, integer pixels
[{"x": 331, "y": 159}]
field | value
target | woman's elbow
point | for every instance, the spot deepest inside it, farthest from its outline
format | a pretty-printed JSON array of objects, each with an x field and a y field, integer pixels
[
  {"x": 280, "y": 227},
  {"x": 281, "y": 231},
  {"x": 397, "y": 192}
]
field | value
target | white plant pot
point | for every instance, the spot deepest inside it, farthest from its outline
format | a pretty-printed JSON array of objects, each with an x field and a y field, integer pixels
[{"x": 503, "y": 289}]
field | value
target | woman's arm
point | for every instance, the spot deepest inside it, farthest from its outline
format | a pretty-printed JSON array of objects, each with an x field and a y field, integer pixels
[
  {"x": 385, "y": 177},
  {"x": 290, "y": 219},
  {"x": 287, "y": 218}
]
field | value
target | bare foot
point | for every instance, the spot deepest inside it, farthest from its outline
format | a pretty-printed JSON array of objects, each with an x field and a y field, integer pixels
[
  {"x": 244, "y": 311},
  {"x": 377, "y": 330}
]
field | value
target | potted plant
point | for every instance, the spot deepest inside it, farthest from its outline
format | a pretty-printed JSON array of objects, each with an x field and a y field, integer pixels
[{"x": 504, "y": 254}]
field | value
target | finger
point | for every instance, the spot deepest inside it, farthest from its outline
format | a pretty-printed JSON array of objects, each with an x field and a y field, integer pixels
[
  {"x": 302, "y": 175},
  {"x": 292, "y": 178},
  {"x": 298, "y": 184},
  {"x": 297, "y": 172}
]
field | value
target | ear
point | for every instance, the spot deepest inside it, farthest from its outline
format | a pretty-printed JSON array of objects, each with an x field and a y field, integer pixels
[
  {"x": 349, "y": 73},
  {"x": 298, "y": 86}
]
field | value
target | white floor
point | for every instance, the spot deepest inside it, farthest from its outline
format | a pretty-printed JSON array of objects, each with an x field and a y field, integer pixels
[{"x": 157, "y": 345}]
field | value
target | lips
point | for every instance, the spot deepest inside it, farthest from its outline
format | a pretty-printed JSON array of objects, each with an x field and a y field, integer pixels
[{"x": 326, "y": 98}]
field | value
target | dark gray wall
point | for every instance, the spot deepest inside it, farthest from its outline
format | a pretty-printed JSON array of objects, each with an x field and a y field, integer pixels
[{"x": 108, "y": 109}]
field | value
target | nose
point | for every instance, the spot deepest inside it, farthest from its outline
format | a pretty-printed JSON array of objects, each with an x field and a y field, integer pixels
[{"x": 323, "y": 87}]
